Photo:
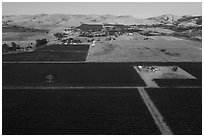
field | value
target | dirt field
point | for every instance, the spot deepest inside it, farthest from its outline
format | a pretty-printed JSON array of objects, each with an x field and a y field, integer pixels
[
  {"x": 154, "y": 49},
  {"x": 161, "y": 72}
]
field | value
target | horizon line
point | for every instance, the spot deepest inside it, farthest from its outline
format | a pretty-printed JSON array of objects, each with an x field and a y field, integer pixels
[{"x": 94, "y": 15}]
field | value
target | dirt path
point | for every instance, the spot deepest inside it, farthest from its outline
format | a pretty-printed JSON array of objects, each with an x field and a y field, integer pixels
[
  {"x": 158, "y": 118},
  {"x": 148, "y": 81}
]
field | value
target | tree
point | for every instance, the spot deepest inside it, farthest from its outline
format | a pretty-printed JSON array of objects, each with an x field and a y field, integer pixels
[
  {"x": 41, "y": 42},
  {"x": 59, "y": 35},
  {"x": 5, "y": 48},
  {"x": 14, "y": 46},
  {"x": 50, "y": 78}
]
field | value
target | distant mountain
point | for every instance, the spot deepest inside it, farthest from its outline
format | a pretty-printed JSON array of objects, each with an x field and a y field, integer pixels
[
  {"x": 178, "y": 20},
  {"x": 169, "y": 18},
  {"x": 189, "y": 21},
  {"x": 57, "y": 22}
]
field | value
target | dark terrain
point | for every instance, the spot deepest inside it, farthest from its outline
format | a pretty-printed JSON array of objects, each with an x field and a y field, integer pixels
[
  {"x": 181, "y": 108},
  {"x": 85, "y": 111},
  {"x": 51, "y": 53},
  {"x": 92, "y": 98}
]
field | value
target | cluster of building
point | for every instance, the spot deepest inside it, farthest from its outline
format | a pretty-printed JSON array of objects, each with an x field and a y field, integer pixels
[
  {"x": 97, "y": 30},
  {"x": 70, "y": 41}
]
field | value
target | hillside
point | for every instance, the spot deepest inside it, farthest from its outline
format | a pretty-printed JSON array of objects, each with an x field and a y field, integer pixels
[
  {"x": 165, "y": 19},
  {"x": 57, "y": 22}
]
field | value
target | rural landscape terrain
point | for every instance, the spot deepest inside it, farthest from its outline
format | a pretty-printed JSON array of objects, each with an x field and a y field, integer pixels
[{"x": 66, "y": 74}]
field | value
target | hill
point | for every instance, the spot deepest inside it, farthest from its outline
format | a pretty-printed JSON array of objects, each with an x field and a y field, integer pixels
[
  {"x": 57, "y": 22},
  {"x": 165, "y": 19}
]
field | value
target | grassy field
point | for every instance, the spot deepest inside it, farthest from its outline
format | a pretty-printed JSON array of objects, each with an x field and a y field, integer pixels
[
  {"x": 71, "y": 112},
  {"x": 136, "y": 49},
  {"x": 25, "y": 36},
  {"x": 21, "y": 34},
  {"x": 181, "y": 108}
]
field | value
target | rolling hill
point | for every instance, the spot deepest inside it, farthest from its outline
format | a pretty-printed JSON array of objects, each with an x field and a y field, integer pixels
[{"x": 57, "y": 22}]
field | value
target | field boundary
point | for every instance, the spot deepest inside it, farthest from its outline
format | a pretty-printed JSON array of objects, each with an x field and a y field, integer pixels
[
  {"x": 44, "y": 62},
  {"x": 98, "y": 87},
  {"x": 59, "y": 51}
]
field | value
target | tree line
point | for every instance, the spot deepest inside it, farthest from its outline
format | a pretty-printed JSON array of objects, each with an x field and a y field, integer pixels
[{"x": 15, "y": 47}]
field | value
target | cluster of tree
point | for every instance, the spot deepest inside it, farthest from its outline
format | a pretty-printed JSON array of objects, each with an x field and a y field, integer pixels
[
  {"x": 5, "y": 48},
  {"x": 59, "y": 35},
  {"x": 71, "y": 40},
  {"x": 152, "y": 33},
  {"x": 13, "y": 48},
  {"x": 109, "y": 39},
  {"x": 40, "y": 42}
]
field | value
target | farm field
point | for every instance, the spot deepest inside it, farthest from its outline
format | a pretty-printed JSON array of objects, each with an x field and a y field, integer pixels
[
  {"x": 178, "y": 82},
  {"x": 136, "y": 49},
  {"x": 46, "y": 56},
  {"x": 180, "y": 107},
  {"x": 122, "y": 74},
  {"x": 86, "y": 111},
  {"x": 90, "y": 74},
  {"x": 11, "y": 33},
  {"x": 71, "y": 75},
  {"x": 6, "y": 29},
  {"x": 53, "y": 53},
  {"x": 84, "y": 47},
  {"x": 20, "y": 36},
  {"x": 89, "y": 97},
  {"x": 95, "y": 98},
  {"x": 193, "y": 68}
]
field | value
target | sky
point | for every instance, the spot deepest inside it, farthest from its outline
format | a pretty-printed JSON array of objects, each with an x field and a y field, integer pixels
[{"x": 136, "y": 9}]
